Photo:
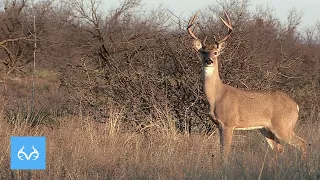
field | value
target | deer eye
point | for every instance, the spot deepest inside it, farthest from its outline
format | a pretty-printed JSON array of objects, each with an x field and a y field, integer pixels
[{"x": 215, "y": 53}]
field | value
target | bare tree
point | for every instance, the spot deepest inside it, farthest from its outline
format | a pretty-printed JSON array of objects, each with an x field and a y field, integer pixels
[{"x": 15, "y": 42}]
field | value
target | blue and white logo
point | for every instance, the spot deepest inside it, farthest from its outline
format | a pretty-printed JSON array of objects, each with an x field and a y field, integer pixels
[
  {"x": 22, "y": 155},
  {"x": 28, "y": 152}
]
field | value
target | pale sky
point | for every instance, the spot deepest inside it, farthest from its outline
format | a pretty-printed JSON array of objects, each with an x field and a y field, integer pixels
[{"x": 309, "y": 8}]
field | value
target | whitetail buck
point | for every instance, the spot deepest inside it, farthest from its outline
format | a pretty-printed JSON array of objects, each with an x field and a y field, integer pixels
[{"x": 273, "y": 113}]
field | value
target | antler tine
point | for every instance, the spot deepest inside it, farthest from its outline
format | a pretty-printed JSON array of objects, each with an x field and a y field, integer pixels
[
  {"x": 204, "y": 41},
  {"x": 190, "y": 24},
  {"x": 215, "y": 40},
  {"x": 228, "y": 24},
  {"x": 194, "y": 27},
  {"x": 191, "y": 20}
]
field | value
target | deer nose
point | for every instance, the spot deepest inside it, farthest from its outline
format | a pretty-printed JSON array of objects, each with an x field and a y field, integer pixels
[{"x": 209, "y": 61}]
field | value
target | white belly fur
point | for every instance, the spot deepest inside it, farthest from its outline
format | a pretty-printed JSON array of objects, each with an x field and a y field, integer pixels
[{"x": 249, "y": 128}]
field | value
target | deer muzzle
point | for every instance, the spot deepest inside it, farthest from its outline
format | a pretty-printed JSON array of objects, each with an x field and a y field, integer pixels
[{"x": 209, "y": 61}]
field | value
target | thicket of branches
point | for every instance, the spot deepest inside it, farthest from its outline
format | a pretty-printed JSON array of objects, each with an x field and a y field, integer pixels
[{"x": 142, "y": 61}]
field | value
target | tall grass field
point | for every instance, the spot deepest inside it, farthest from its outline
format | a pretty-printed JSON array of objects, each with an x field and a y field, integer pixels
[{"x": 80, "y": 148}]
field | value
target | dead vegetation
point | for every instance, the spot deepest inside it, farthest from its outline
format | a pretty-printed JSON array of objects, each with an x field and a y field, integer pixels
[
  {"x": 91, "y": 62},
  {"x": 80, "y": 148}
]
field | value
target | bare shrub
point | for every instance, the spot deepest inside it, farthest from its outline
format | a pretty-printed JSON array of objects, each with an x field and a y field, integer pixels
[{"x": 142, "y": 61}]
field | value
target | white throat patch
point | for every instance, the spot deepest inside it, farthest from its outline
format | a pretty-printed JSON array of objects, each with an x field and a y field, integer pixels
[{"x": 208, "y": 70}]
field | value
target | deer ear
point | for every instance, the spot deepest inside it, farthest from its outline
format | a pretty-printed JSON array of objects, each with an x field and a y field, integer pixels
[
  {"x": 221, "y": 46},
  {"x": 197, "y": 45}
]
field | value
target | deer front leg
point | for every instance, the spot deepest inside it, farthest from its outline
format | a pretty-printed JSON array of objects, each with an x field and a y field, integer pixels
[{"x": 225, "y": 140}]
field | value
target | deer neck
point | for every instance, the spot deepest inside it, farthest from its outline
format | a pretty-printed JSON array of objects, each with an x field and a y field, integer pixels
[{"x": 212, "y": 83}]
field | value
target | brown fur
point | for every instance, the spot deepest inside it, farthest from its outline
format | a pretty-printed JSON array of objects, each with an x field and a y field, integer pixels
[{"x": 274, "y": 113}]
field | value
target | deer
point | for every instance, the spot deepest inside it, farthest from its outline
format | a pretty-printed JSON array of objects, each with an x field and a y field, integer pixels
[{"x": 273, "y": 113}]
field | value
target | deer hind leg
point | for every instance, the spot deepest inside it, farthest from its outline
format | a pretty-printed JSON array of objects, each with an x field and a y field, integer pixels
[
  {"x": 291, "y": 138},
  {"x": 272, "y": 140},
  {"x": 299, "y": 143}
]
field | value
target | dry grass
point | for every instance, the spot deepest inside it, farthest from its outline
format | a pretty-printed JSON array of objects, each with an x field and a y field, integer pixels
[{"x": 79, "y": 148}]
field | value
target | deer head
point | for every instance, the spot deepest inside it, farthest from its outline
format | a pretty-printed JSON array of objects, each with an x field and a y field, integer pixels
[{"x": 210, "y": 52}]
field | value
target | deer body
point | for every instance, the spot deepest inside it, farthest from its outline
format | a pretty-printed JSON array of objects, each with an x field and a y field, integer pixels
[
  {"x": 245, "y": 107},
  {"x": 273, "y": 113}
]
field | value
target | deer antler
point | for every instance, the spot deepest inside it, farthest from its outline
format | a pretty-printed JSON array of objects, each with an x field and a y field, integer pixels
[
  {"x": 192, "y": 34},
  {"x": 228, "y": 24},
  {"x": 190, "y": 24}
]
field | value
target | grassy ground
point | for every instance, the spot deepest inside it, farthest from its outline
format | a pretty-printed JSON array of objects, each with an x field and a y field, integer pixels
[{"x": 79, "y": 148}]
